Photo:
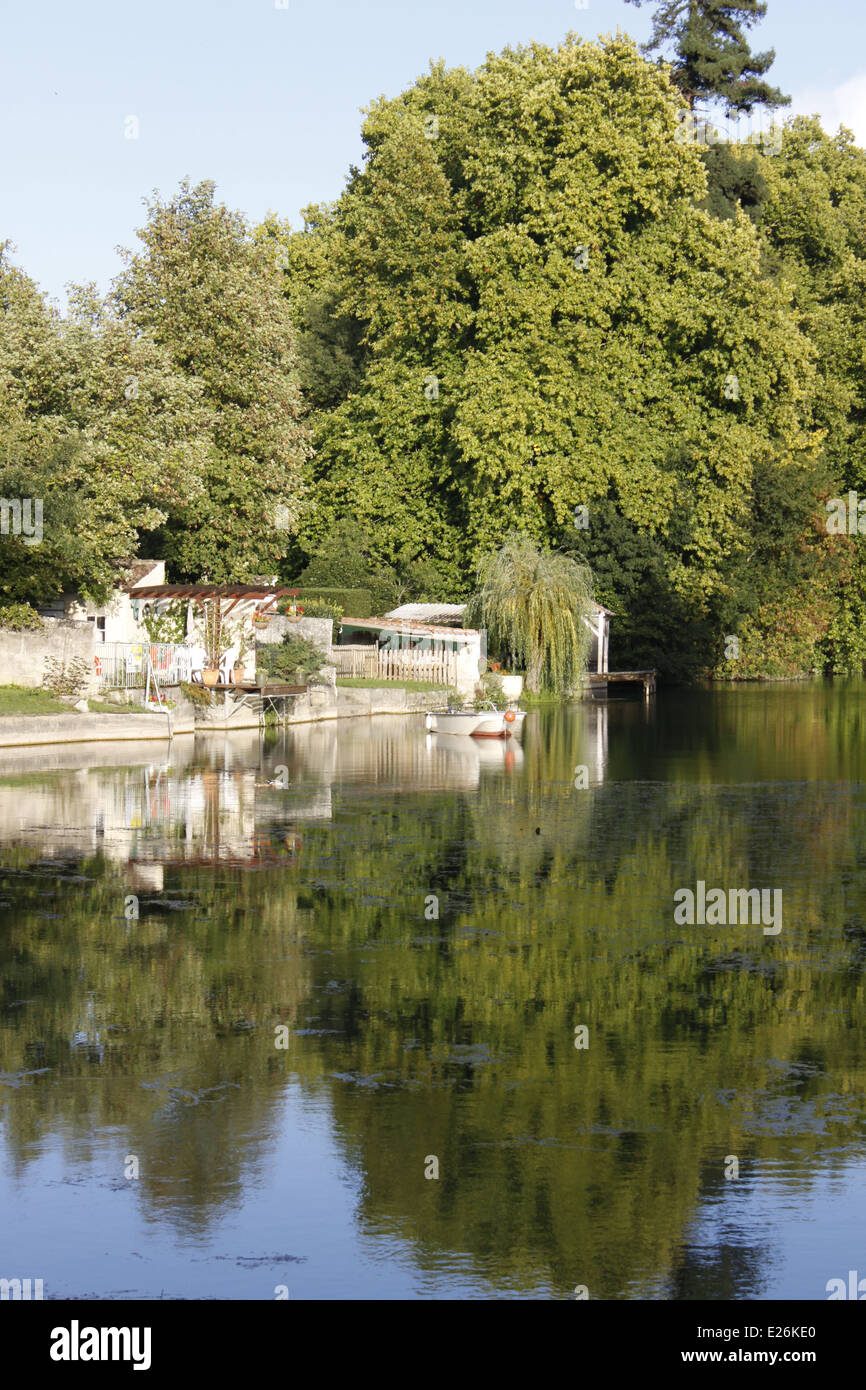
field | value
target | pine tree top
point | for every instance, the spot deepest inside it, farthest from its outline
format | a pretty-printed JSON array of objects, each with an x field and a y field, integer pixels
[{"x": 712, "y": 59}]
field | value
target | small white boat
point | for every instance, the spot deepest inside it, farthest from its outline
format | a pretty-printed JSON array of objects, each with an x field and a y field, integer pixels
[{"x": 476, "y": 723}]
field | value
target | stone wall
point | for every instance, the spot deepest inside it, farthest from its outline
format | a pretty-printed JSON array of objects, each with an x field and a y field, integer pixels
[
  {"x": 322, "y": 702},
  {"x": 17, "y": 731},
  {"x": 23, "y": 654},
  {"x": 319, "y": 631}
]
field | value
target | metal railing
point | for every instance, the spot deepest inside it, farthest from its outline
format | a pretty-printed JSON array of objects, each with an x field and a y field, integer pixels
[{"x": 124, "y": 665}]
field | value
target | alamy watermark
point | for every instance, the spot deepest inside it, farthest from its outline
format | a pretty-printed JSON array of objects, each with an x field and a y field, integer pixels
[
  {"x": 21, "y": 1289},
  {"x": 694, "y": 129},
  {"x": 846, "y": 517},
  {"x": 716, "y": 907},
  {"x": 25, "y": 515}
]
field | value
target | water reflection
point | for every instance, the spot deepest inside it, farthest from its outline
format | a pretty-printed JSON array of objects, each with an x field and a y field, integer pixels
[{"x": 430, "y": 919}]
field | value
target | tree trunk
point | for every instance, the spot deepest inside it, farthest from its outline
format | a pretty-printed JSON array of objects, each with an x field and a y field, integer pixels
[{"x": 534, "y": 669}]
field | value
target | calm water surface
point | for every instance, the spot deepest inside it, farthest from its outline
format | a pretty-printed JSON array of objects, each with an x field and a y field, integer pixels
[{"x": 306, "y": 916}]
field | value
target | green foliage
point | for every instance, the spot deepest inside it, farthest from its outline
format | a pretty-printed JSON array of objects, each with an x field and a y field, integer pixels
[
  {"x": 505, "y": 380},
  {"x": 166, "y": 626},
  {"x": 208, "y": 294},
  {"x": 533, "y": 603},
  {"x": 351, "y": 556},
  {"x": 489, "y": 691},
  {"x": 356, "y": 603},
  {"x": 539, "y": 303},
  {"x": 95, "y": 422},
  {"x": 70, "y": 677},
  {"x": 712, "y": 58},
  {"x": 20, "y": 699},
  {"x": 213, "y": 631},
  {"x": 321, "y": 608},
  {"x": 198, "y": 694},
  {"x": 735, "y": 178},
  {"x": 294, "y": 660},
  {"x": 372, "y": 683},
  {"x": 19, "y": 617}
]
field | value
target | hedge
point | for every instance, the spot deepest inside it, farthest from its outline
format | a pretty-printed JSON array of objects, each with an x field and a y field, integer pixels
[{"x": 355, "y": 603}]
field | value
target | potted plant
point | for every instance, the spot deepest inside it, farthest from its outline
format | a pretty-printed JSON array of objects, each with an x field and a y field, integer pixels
[{"x": 262, "y": 619}]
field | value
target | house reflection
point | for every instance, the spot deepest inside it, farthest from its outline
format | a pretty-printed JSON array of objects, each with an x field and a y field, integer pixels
[{"x": 238, "y": 799}]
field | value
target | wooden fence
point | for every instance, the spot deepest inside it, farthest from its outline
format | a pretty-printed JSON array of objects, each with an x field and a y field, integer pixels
[
  {"x": 420, "y": 664},
  {"x": 355, "y": 661}
]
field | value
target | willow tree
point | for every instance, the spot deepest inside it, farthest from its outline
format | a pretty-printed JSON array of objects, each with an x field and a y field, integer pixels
[{"x": 533, "y": 603}]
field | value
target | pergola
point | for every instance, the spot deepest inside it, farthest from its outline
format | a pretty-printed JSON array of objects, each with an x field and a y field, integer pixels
[{"x": 266, "y": 594}]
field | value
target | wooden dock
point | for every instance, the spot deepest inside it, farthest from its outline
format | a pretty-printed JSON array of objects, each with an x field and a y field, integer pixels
[
  {"x": 249, "y": 689},
  {"x": 646, "y": 678},
  {"x": 263, "y": 699}
]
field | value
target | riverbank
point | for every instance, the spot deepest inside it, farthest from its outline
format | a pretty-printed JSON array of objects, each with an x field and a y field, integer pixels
[{"x": 224, "y": 714}]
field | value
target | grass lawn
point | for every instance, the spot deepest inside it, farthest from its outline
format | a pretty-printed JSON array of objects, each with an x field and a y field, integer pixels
[
  {"x": 110, "y": 707},
  {"x": 370, "y": 683},
  {"x": 18, "y": 699}
]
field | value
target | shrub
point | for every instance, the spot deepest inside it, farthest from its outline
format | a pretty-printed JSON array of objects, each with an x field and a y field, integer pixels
[
  {"x": 294, "y": 660},
  {"x": 489, "y": 688},
  {"x": 321, "y": 608},
  {"x": 19, "y": 617},
  {"x": 199, "y": 694},
  {"x": 66, "y": 678},
  {"x": 357, "y": 603}
]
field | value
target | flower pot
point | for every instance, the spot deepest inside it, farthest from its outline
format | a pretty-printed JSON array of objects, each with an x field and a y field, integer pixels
[
  {"x": 209, "y": 677},
  {"x": 237, "y": 674}
]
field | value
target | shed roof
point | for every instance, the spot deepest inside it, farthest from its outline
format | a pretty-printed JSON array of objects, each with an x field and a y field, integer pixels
[
  {"x": 429, "y": 612},
  {"x": 441, "y": 613},
  {"x": 412, "y": 626}
]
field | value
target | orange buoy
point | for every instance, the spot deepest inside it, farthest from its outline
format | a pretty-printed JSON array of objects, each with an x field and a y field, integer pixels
[{"x": 510, "y": 716}]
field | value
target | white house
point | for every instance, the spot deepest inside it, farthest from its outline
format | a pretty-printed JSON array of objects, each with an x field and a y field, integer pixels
[{"x": 118, "y": 619}]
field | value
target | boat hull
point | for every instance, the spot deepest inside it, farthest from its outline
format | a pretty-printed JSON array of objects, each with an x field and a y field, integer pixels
[{"x": 469, "y": 724}]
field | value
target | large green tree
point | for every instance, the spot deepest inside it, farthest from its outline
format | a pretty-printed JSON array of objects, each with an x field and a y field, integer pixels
[
  {"x": 207, "y": 292},
  {"x": 97, "y": 424},
  {"x": 546, "y": 321},
  {"x": 814, "y": 232}
]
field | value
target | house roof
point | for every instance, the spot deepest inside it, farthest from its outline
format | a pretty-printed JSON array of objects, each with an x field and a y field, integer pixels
[{"x": 136, "y": 570}]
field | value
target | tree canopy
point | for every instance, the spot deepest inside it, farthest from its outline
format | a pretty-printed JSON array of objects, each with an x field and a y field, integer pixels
[
  {"x": 205, "y": 291},
  {"x": 711, "y": 54},
  {"x": 547, "y": 319},
  {"x": 535, "y": 308}
]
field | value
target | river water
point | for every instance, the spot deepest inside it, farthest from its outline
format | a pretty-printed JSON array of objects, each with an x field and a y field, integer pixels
[{"x": 361, "y": 1012}]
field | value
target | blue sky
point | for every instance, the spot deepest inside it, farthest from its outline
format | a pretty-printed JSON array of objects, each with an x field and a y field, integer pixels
[{"x": 266, "y": 100}]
